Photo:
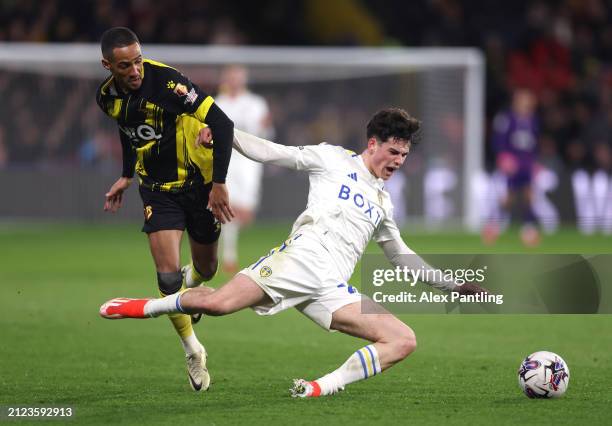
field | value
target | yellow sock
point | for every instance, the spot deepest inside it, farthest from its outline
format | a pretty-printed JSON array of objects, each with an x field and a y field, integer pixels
[
  {"x": 197, "y": 277},
  {"x": 183, "y": 327},
  {"x": 193, "y": 278}
]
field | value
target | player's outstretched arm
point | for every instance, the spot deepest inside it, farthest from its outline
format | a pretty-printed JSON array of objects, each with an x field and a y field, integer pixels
[
  {"x": 114, "y": 196},
  {"x": 399, "y": 254},
  {"x": 223, "y": 129},
  {"x": 261, "y": 150}
]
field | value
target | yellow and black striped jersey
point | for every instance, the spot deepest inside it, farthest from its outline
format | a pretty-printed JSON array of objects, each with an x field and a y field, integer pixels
[{"x": 158, "y": 125}]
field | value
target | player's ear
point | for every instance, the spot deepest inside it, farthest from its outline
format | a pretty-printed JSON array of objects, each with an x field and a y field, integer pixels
[
  {"x": 106, "y": 64},
  {"x": 372, "y": 145}
]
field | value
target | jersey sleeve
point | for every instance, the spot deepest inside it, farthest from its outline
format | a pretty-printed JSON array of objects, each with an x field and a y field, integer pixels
[
  {"x": 399, "y": 254},
  {"x": 188, "y": 98},
  {"x": 182, "y": 95},
  {"x": 310, "y": 158},
  {"x": 129, "y": 156},
  {"x": 387, "y": 230}
]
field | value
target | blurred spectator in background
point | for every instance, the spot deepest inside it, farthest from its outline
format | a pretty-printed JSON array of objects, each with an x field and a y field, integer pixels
[
  {"x": 561, "y": 50},
  {"x": 515, "y": 137},
  {"x": 3, "y": 151},
  {"x": 250, "y": 113},
  {"x": 101, "y": 151}
]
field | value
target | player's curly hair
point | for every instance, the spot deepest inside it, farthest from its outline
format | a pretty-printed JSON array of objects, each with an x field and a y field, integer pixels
[
  {"x": 393, "y": 123},
  {"x": 116, "y": 37}
]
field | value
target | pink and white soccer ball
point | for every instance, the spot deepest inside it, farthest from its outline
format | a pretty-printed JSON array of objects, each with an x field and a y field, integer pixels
[{"x": 543, "y": 374}]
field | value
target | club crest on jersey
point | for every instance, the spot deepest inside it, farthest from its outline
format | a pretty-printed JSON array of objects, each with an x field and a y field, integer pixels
[
  {"x": 362, "y": 203},
  {"x": 265, "y": 271},
  {"x": 148, "y": 212},
  {"x": 180, "y": 90}
]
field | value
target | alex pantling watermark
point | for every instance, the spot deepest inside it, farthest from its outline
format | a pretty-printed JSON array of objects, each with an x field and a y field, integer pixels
[
  {"x": 431, "y": 297},
  {"x": 516, "y": 283},
  {"x": 407, "y": 276}
]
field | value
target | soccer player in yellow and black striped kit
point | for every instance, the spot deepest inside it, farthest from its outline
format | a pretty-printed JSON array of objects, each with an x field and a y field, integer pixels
[{"x": 160, "y": 114}]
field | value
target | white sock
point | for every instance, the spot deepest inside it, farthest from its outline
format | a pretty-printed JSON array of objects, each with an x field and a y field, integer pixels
[
  {"x": 361, "y": 365},
  {"x": 191, "y": 344},
  {"x": 229, "y": 238},
  {"x": 165, "y": 305}
]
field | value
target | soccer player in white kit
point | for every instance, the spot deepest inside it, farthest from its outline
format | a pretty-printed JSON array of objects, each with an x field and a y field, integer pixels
[
  {"x": 347, "y": 206},
  {"x": 251, "y": 114}
]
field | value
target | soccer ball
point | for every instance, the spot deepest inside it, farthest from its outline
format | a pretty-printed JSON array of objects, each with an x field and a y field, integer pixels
[{"x": 543, "y": 374}]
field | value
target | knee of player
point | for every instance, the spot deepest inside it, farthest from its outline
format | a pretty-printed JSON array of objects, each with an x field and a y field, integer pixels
[
  {"x": 208, "y": 268},
  {"x": 406, "y": 342},
  {"x": 169, "y": 282}
]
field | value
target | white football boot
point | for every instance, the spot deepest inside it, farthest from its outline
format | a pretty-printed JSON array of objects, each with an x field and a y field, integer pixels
[{"x": 199, "y": 379}]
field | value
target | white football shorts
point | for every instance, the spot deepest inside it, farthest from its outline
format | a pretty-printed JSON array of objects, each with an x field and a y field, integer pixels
[{"x": 301, "y": 274}]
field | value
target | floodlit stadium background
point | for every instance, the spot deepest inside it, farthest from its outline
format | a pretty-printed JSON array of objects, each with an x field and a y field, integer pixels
[
  {"x": 51, "y": 130},
  {"x": 61, "y": 256}
]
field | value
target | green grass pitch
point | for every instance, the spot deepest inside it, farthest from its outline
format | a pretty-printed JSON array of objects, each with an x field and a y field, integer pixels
[{"x": 55, "y": 350}]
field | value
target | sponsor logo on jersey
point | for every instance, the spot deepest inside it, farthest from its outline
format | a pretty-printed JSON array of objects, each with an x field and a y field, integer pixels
[
  {"x": 265, "y": 271},
  {"x": 353, "y": 176},
  {"x": 362, "y": 203},
  {"x": 143, "y": 132}
]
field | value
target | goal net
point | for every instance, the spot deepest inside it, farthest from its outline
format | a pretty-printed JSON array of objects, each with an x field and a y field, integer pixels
[{"x": 54, "y": 140}]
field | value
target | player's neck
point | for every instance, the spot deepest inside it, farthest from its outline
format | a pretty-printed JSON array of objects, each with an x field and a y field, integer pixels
[
  {"x": 367, "y": 163},
  {"x": 121, "y": 89}
]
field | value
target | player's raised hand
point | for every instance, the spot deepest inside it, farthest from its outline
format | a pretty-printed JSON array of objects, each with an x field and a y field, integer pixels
[
  {"x": 204, "y": 138},
  {"x": 471, "y": 288},
  {"x": 218, "y": 203},
  {"x": 114, "y": 196}
]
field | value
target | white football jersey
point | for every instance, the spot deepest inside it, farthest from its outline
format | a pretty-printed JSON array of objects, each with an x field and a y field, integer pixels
[
  {"x": 249, "y": 112},
  {"x": 347, "y": 205}
]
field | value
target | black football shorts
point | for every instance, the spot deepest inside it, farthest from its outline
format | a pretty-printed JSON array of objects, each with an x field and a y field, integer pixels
[{"x": 180, "y": 210}]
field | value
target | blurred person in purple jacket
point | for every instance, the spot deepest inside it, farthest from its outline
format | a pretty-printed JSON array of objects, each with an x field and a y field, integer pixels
[{"x": 515, "y": 137}]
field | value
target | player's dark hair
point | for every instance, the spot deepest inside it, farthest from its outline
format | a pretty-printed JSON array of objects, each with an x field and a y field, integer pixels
[
  {"x": 393, "y": 123},
  {"x": 116, "y": 37}
]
